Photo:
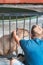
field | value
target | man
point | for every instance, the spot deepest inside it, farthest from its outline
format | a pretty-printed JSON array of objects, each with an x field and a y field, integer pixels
[{"x": 33, "y": 48}]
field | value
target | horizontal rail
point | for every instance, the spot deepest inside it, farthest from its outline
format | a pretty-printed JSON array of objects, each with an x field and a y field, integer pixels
[{"x": 22, "y": 14}]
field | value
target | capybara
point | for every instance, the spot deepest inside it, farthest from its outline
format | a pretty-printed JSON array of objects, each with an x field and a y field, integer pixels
[{"x": 7, "y": 42}]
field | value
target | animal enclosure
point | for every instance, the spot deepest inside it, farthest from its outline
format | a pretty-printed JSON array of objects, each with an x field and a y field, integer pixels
[{"x": 22, "y": 23}]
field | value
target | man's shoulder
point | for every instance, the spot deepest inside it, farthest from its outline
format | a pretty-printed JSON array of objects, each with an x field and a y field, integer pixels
[
  {"x": 27, "y": 42},
  {"x": 41, "y": 41}
]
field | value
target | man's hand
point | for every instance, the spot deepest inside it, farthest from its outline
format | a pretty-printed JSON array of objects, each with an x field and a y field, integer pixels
[{"x": 16, "y": 37}]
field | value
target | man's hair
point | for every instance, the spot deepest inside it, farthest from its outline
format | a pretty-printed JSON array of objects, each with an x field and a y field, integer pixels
[
  {"x": 36, "y": 31},
  {"x": 32, "y": 30}
]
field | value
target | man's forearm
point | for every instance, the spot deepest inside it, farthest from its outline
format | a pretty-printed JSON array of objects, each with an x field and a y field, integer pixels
[{"x": 16, "y": 38}]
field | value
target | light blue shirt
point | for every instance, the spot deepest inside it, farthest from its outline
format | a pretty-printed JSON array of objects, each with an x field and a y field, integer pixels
[
  {"x": 39, "y": 42},
  {"x": 33, "y": 50}
]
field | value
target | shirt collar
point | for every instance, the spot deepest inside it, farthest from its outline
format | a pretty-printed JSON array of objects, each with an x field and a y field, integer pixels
[{"x": 37, "y": 40}]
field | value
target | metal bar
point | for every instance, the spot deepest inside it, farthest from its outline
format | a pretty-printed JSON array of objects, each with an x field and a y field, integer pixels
[
  {"x": 37, "y": 20},
  {"x": 3, "y": 32},
  {"x": 23, "y": 31},
  {"x": 23, "y": 27},
  {"x": 10, "y": 40},
  {"x": 10, "y": 32},
  {"x": 17, "y": 34},
  {"x": 42, "y": 25},
  {"x": 29, "y": 27},
  {"x": 22, "y": 14}
]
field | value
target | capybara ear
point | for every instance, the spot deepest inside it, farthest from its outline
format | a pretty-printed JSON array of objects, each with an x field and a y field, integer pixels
[{"x": 22, "y": 32}]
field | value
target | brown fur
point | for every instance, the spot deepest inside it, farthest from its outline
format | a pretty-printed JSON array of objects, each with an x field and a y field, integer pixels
[{"x": 7, "y": 40}]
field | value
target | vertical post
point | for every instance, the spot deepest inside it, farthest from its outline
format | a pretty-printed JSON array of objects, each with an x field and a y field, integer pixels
[
  {"x": 23, "y": 27},
  {"x": 42, "y": 25},
  {"x": 29, "y": 27},
  {"x": 3, "y": 32},
  {"x": 10, "y": 32},
  {"x": 17, "y": 34},
  {"x": 37, "y": 20},
  {"x": 23, "y": 30},
  {"x": 9, "y": 24}
]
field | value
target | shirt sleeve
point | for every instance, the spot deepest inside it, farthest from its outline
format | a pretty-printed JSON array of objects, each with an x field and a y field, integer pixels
[{"x": 24, "y": 44}]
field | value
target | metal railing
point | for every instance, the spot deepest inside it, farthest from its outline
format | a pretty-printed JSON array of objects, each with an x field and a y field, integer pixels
[{"x": 23, "y": 23}]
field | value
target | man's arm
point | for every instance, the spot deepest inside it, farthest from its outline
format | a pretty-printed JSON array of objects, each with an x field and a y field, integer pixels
[
  {"x": 23, "y": 43},
  {"x": 16, "y": 38}
]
